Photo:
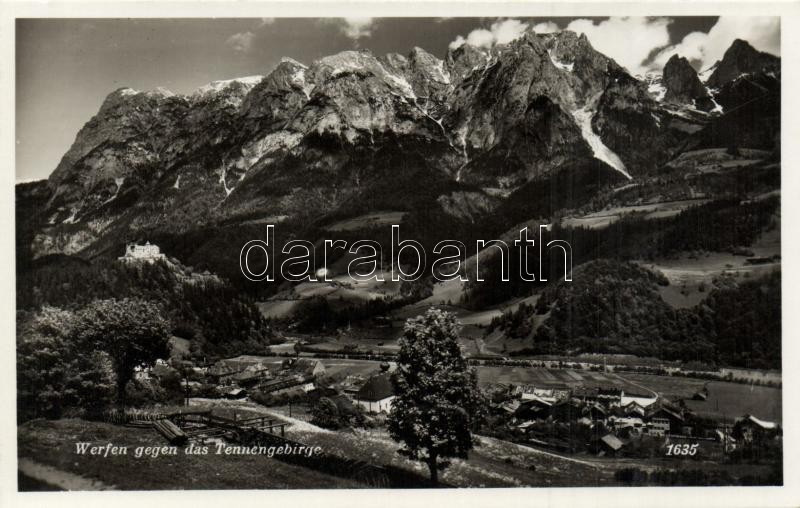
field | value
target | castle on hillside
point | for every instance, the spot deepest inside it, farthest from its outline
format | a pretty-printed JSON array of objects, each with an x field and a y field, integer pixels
[{"x": 146, "y": 252}]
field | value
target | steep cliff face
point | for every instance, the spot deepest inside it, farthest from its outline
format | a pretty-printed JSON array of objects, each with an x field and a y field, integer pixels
[
  {"x": 353, "y": 132},
  {"x": 592, "y": 70},
  {"x": 635, "y": 126},
  {"x": 130, "y": 134},
  {"x": 464, "y": 60},
  {"x": 683, "y": 86},
  {"x": 517, "y": 117}
]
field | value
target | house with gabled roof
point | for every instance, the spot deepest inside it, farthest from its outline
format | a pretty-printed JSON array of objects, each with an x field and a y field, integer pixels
[
  {"x": 753, "y": 430},
  {"x": 303, "y": 366},
  {"x": 610, "y": 445},
  {"x": 377, "y": 394}
]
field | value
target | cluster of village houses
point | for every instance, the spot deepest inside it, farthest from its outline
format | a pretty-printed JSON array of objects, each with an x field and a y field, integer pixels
[
  {"x": 236, "y": 378},
  {"x": 624, "y": 416}
]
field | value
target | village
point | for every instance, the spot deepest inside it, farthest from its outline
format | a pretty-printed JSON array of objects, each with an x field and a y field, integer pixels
[{"x": 601, "y": 421}]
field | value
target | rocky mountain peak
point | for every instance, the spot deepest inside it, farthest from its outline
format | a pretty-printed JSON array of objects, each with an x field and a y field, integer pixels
[
  {"x": 428, "y": 66},
  {"x": 574, "y": 53},
  {"x": 682, "y": 84},
  {"x": 463, "y": 60},
  {"x": 236, "y": 86},
  {"x": 742, "y": 58}
]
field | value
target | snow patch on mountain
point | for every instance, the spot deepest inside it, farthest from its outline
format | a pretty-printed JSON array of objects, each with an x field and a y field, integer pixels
[
  {"x": 717, "y": 106},
  {"x": 222, "y": 176},
  {"x": 350, "y": 61},
  {"x": 402, "y": 84},
  {"x": 601, "y": 152},
  {"x": 443, "y": 74},
  {"x": 218, "y": 86},
  {"x": 656, "y": 119},
  {"x": 655, "y": 85},
  {"x": 564, "y": 66},
  {"x": 72, "y": 219},
  {"x": 118, "y": 181},
  {"x": 657, "y": 90}
]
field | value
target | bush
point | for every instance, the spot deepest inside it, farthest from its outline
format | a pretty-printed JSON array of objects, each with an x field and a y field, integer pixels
[{"x": 325, "y": 414}]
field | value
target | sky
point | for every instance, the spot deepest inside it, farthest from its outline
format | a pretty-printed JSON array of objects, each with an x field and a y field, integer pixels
[{"x": 66, "y": 67}]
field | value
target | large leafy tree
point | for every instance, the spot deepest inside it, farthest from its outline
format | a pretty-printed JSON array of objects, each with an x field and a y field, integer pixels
[
  {"x": 131, "y": 331},
  {"x": 54, "y": 373},
  {"x": 437, "y": 397}
]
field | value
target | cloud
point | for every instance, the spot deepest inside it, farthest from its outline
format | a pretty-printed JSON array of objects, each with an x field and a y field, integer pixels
[
  {"x": 356, "y": 28},
  {"x": 241, "y": 42},
  {"x": 501, "y": 32},
  {"x": 265, "y": 22},
  {"x": 546, "y": 27},
  {"x": 639, "y": 43},
  {"x": 763, "y": 33},
  {"x": 628, "y": 40}
]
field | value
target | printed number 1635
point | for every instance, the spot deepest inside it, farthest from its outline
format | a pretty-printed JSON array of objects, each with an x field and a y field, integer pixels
[{"x": 682, "y": 449}]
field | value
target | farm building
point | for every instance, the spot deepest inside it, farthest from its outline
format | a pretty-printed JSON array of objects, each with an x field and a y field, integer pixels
[
  {"x": 287, "y": 384},
  {"x": 302, "y": 366},
  {"x": 377, "y": 394},
  {"x": 535, "y": 408},
  {"x": 634, "y": 409},
  {"x": 753, "y": 430},
  {"x": 658, "y": 427},
  {"x": 252, "y": 375},
  {"x": 236, "y": 393},
  {"x": 619, "y": 423},
  {"x": 676, "y": 421},
  {"x": 609, "y": 396},
  {"x": 597, "y": 412},
  {"x": 510, "y": 406},
  {"x": 240, "y": 362},
  {"x": 566, "y": 411},
  {"x": 610, "y": 445},
  {"x": 640, "y": 399},
  {"x": 352, "y": 384},
  {"x": 529, "y": 392},
  {"x": 223, "y": 373}
]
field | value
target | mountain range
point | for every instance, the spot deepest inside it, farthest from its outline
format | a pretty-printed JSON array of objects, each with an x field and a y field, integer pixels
[{"x": 469, "y": 138}]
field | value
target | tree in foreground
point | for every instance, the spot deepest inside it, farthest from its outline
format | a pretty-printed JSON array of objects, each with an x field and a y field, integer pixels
[
  {"x": 131, "y": 331},
  {"x": 55, "y": 376},
  {"x": 437, "y": 398}
]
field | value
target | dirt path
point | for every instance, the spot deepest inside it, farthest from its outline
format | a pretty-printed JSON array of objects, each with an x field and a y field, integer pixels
[
  {"x": 536, "y": 451},
  {"x": 58, "y": 478},
  {"x": 296, "y": 423},
  {"x": 638, "y": 385}
]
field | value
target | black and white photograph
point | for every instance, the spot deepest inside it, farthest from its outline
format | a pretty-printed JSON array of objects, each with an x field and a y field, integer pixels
[{"x": 292, "y": 253}]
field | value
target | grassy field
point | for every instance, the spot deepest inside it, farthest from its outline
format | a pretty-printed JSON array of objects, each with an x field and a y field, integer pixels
[
  {"x": 729, "y": 400},
  {"x": 556, "y": 378},
  {"x": 604, "y": 218},
  {"x": 368, "y": 221}
]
